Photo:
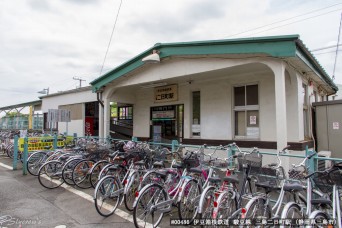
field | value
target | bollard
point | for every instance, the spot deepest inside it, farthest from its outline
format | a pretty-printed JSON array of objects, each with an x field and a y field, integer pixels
[
  {"x": 174, "y": 145},
  {"x": 311, "y": 163},
  {"x": 15, "y": 154},
  {"x": 231, "y": 152},
  {"x": 25, "y": 155},
  {"x": 55, "y": 142}
]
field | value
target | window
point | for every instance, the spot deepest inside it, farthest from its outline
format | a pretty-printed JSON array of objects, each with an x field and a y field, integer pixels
[
  {"x": 126, "y": 113},
  {"x": 246, "y": 111},
  {"x": 196, "y": 113},
  {"x": 305, "y": 111}
]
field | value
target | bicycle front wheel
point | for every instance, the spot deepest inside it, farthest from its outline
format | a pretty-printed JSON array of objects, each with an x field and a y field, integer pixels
[
  {"x": 258, "y": 209},
  {"x": 225, "y": 206},
  {"x": 67, "y": 170},
  {"x": 318, "y": 217},
  {"x": 292, "y": 211},
  {"x": 145, "y": 213},
  {"x": 107, "y": 196},
  {"x": 35, "y": 161},
  {"x": 95, "y": 171},
  {"x": 188, "y": 205},
  {"x": 81, "y": 175},
  {"x": 50, "y": 174},
  {"x": 130, "y": 189}
]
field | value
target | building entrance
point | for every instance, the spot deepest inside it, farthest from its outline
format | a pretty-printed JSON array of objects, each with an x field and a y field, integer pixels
[{"x": 167, "y": 123}]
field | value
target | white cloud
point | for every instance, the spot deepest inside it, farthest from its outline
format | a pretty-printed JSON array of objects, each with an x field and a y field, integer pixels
[{"x": 46, "y": 43}]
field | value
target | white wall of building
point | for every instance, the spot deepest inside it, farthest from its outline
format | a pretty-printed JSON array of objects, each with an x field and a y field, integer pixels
[
  {"x": 216, "y": 106},
  {"x": 53, "y": 101}
]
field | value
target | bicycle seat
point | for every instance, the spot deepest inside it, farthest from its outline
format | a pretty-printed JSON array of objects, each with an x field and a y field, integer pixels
[
  {"x": 115, "y": 167},
  {"x": 139, "y": 163},
  {"x": 267, "y": 185},
  {"x": 64, "y": 158},
  {"x": 196, "y": 170},
  {"x": 158, "y": 164},
  {"x": 177, "y": 166},
  {"x": 293, "y": 187},
  {"x": 231, "y": 179},
  {"x": 162, "y": 174},
  {"x": 320, "y": 201},
  {"x": 214, "y": 179}
]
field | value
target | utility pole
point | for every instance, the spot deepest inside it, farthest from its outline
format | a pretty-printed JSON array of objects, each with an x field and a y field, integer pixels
[{"x": 80, "y": 80}]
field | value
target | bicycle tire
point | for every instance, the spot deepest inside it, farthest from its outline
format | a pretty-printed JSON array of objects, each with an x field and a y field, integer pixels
[
  {"x": 316, "y": 216},
  {"x": 95, "y": 171},
  {"x": 153, "y": 194},
  {"x": 257, "y": 208},
  {"x": 106, "y": 204},
  {"x": 130, "y": 189},
  {"x": 80, "y": 173},
  {"x": 50, "y": 174},
  {"x": 35, "y": 161},
  {"x": 190, "y": 191},
  {"x": 292, "y": 211},
  {"x": 206, "y": 203},
  {"x": 68, "y": 169},
  {"x": 226, "y": 206}
]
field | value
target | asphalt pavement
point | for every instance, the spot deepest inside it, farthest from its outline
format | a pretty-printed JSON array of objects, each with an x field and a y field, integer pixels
[{"x": 25, "y": 203}]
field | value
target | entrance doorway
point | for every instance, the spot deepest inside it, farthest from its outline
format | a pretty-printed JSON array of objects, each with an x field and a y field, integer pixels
[{"x": 167, "y": 123}]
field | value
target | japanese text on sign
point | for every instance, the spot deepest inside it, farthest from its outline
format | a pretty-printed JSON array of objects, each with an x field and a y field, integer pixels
[{"x": 166, "y": 93}]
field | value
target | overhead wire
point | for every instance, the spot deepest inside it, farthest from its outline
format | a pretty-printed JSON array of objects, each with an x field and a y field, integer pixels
[
  {"x": 111, "y": 36},
  {"x": 285, "y": 20},
  {"x": 337, "y": 45}
]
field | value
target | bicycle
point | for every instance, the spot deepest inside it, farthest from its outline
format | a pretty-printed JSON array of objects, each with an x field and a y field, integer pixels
[
  {"x": 225, "y": 201},
  {"x": 328, "y": 181},
  {"x": 154, "y": 200}
]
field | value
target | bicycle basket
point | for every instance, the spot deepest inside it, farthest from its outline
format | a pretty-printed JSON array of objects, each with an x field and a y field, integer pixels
[
  {"x": 298, "y": 174},
  {"x": 220, "y": 164},
  {"x": 336, "y": 177},
  {"x": 191, "y": 161},
  {"x": 253, "y": 160},
  {"x": 323, "y": 181},
  {"x": 159, "y": 155},
  {"x": 268, "y": 175}
]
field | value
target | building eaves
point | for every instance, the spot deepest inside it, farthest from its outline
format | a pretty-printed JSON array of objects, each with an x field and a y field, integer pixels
[
  {"x": 289, "y": 46},
  {"x": 21, "y": 105},
  {"x": 82, "y": 89},
  {"x": 276, "y": 46},
  {"x": 306, "y": 56}
]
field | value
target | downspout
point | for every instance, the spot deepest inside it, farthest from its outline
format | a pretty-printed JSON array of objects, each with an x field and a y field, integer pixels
[
  {"x": 99, "y": 94},
  {"x": 99, "y": 98}
]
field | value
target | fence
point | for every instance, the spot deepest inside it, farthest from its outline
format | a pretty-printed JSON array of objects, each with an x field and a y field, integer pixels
[
  {"x": 21, "y": 122},
  {"x": 174, "y": 145}
]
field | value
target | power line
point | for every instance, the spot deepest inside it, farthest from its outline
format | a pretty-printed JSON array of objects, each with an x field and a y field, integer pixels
[
  {"x": 323, "y": 48},
  {"x": 337, "y": 44},
  {"x": 285, "y": 20},
  {"x": 322, "y": 53},
  {"x": 298, "y": 21},
  {"x": 110, "y": 40}
]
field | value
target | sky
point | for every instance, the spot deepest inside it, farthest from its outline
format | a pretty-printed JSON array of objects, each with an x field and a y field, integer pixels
[{"x": 45, "y": 44}]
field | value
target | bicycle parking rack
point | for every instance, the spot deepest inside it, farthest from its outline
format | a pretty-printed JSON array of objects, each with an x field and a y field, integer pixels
[{"x": 312, "y": 163}]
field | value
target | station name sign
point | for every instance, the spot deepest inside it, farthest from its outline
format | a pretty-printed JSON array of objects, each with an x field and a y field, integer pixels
[{"x": 166, "y": 93}]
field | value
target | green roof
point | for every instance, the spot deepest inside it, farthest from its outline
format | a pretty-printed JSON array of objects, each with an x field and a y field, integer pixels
[{"x": 276, "y": 46}]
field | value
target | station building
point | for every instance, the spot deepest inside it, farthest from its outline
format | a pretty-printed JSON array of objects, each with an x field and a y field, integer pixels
[{"x": 252, "y": 91}]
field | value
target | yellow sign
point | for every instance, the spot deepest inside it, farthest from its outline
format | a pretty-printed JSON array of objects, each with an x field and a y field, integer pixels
[
  {"x": 166, "y": 93},
  {"x": 39, "y": 143}
]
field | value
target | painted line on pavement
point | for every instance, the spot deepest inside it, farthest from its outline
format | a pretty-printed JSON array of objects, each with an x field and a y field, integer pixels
[
  {"x": 6, "y": 166},
  {"x": 88, "y": 197}
]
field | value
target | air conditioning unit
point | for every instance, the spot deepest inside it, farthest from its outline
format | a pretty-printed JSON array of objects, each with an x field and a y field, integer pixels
[{"x": 324, "y": 164}]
